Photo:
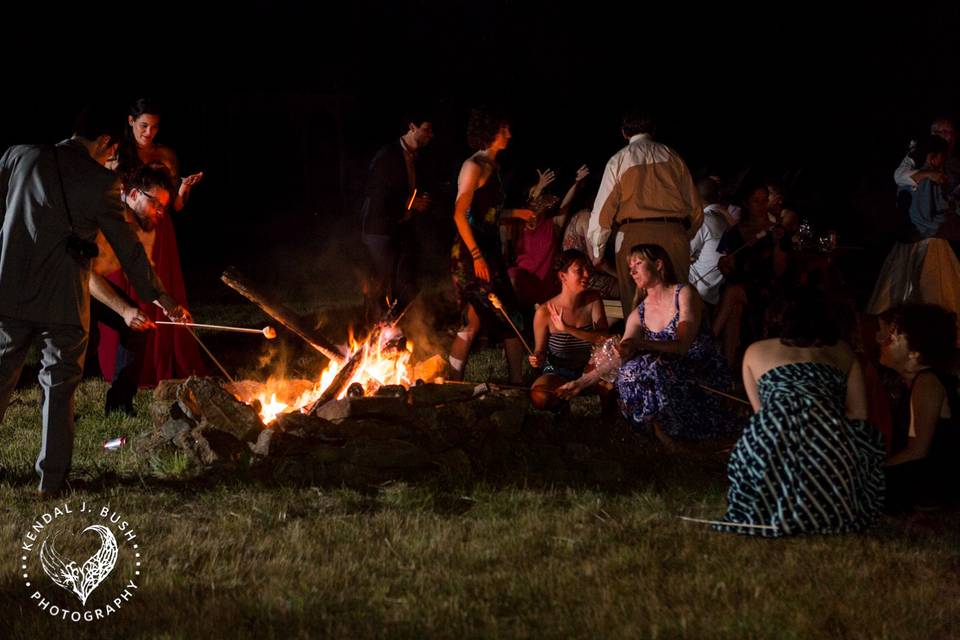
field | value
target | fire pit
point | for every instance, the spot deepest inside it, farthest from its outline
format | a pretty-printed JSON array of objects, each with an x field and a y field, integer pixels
[{"x": 373, "y": 415}]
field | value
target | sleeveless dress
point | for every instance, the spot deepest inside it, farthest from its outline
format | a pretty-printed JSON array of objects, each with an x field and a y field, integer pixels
[
  {"x": 663, "y": 387},
  {"x": 484, "y": 219},
  {"x": 802, "y": 466}
]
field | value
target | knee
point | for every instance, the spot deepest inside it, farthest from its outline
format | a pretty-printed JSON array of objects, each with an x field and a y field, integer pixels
[{"x": 542, "y": 397}]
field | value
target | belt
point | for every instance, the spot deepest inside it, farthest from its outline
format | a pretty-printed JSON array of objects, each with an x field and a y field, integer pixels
[{"x": 674, "y": 219}]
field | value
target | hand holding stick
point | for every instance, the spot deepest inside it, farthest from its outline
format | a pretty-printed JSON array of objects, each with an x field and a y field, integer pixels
[{"x": 268, "y": 332}]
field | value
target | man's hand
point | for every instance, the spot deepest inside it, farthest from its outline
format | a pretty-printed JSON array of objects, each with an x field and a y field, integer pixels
[
  {"x": 173, "y": 310},
  {"x": 136, "y": 319},
  {"x": 421, "y": 203}
]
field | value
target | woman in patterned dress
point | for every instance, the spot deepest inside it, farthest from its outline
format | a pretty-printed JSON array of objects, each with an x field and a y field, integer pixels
[
  {"x": 478, "y": 264},
  {"x": 667, "y": 353},
  {"x": 807, "y": 462}
]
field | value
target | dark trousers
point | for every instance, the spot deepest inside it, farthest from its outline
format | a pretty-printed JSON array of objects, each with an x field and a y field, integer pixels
[
  {"x": 61, "y": 366},
  {"x": 394, "y": 262},
  {"x": 129, "y": 357}
]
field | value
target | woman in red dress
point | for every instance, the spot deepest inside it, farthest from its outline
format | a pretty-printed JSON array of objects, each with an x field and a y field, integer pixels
[{"x": 170, "y": 352}]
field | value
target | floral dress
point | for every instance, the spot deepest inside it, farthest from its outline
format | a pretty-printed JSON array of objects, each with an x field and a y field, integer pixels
[{"x": 666, "y": 387}]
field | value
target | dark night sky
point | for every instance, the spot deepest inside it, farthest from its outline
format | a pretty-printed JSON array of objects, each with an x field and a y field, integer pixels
[{"x": 282, "y": 103}]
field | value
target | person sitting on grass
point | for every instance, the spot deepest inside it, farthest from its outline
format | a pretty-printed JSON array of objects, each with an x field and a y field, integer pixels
[
  {"x": 917, "y": 341},
  {"x": 808, "y": 461},
  {"x": 667, "y": 355},
  {"x": 566, "y": 328}
]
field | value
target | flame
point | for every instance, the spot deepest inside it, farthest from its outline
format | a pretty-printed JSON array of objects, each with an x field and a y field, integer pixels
[{"x": 381, "y": 364}]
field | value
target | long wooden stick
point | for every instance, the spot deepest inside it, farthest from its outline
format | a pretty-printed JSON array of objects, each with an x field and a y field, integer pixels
[
  {"x": 268, "y": 332},
  {"x": 730, "y": 524},
  {"x": 282, "y": 314},
  {"x": 215, "y": 361},
  {"x": 495, "y": 301},
  {"x": 721, "y": 393}
]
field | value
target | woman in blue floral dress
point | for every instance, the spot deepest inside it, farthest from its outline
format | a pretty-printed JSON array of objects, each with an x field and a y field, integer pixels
[{"x": 667, "y": 354}]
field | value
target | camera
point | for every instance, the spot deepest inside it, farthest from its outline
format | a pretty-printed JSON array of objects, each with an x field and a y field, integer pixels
[{"x": 81, "y": 250}]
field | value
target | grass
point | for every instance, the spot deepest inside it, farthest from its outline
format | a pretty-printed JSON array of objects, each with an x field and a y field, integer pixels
[{"x": 228, "y": 556}]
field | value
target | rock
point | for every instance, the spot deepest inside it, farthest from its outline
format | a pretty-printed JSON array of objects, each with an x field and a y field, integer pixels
[
  {"x": 386, "y": 454},
  {"x": 174, "y": 427},
  {"x": 369, "y": 407},
  {"x": 426, "y": 395},
  {"x": 206, "y": 402},
  {"x": 391, "y": 391}
]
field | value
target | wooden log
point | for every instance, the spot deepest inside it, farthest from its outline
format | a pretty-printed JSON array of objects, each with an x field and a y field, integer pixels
[
  {"x": 282, "y": 314},
  {"x": 338, "y": 383}
]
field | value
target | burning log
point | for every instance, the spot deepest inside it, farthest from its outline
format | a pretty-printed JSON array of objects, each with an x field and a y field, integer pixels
[
  {"x": 282, "y": 314},
  {"x": 343, "y": 377}
]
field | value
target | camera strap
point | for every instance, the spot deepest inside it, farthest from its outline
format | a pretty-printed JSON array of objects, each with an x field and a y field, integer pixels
[{"x": 63, "y": 192}]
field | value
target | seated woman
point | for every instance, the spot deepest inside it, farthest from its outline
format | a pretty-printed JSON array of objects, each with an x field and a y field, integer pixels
[
  {"x": 917, "y": 342},
  {"x": 753, "y": 259},
  {"x": 565, "y": 329},
  {"x": 921, "y": 266},
  {"x": 807, "y": 462},
  {"x": 666, "y": 352}
]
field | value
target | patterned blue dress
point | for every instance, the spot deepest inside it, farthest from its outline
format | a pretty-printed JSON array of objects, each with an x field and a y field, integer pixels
[
  {"x": 801, "y": 466},
  {"x": 664, "y": 387}
]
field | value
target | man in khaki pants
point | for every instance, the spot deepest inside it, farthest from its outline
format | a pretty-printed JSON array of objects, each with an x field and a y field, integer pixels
[{"x": 648, "y": 194}]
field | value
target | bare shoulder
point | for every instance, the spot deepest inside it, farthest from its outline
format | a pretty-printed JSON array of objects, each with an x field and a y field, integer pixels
[
  {"x": 928, "y": 385},
  {"x": 593, "y": 296}
]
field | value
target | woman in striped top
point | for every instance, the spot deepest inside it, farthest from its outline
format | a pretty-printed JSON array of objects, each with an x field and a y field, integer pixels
[{"x": 565, "y": 329}]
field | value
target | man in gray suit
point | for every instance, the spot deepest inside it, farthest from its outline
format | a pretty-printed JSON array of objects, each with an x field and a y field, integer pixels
[{"x": 53, "y": 200}]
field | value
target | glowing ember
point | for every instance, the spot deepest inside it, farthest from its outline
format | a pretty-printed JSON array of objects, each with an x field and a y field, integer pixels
[{"x": 270, "y": 410}]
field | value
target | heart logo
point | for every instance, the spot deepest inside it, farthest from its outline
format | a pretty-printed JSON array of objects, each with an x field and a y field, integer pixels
[{"x": 81, "y": 581}]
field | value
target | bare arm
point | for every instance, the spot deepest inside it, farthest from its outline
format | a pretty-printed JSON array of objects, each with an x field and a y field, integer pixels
[
  {"x": 856, "y": 392},
  {"x": 925, "y": 404},
  {"x": 101, "y": 290},
  {"x": 467, "y": 183},
  {"x": 595, "y": 336},
  {"x": 749, "y": 379},
  {"x": 561, "y": 218},
  {"x": 541, "y": 333}
]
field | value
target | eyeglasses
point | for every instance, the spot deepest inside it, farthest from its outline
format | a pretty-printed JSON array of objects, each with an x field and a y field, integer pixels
[{"x": 155, "y": 201}]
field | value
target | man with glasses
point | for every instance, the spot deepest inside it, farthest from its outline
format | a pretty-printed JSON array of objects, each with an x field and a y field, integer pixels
[
  {"x": 53, "y": 202},
  {"x": 146, "y": 197}
]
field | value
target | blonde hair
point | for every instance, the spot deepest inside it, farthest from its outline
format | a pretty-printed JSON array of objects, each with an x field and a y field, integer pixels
[{"x": 653, "y": 252}]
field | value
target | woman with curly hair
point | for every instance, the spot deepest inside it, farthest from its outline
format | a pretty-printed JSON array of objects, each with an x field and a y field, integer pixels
[{"x": 479, "y": 268}]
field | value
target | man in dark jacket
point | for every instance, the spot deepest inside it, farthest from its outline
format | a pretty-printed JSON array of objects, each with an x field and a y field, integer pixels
[
  {"x": 391, "y": 198},
  {"x": 53, "y": 200}
]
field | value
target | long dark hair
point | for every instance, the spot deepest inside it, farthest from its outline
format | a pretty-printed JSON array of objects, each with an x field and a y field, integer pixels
[{"x": 127, "y": 159}]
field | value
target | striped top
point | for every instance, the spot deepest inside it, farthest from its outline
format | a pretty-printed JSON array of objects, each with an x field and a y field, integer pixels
[{"x": 568, "y": 351}]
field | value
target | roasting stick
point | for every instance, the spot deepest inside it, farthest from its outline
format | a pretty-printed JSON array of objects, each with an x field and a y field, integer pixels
[
  {"x": 268, "y": 332},
  {"x": 204, "y": 347},
  {"x": 495, "y": 301}
]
